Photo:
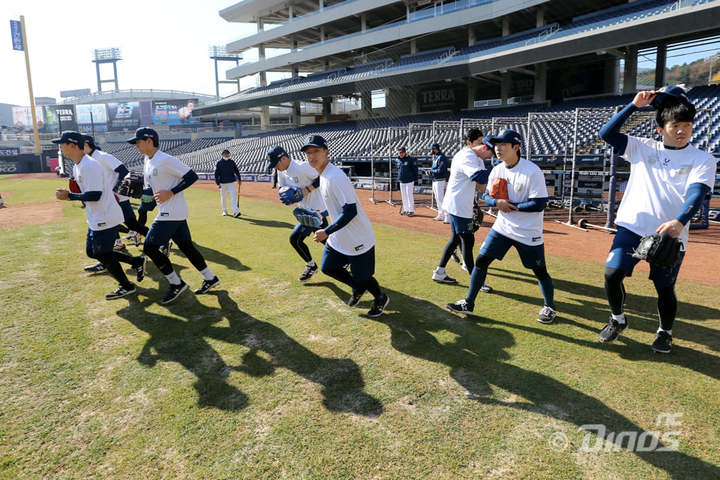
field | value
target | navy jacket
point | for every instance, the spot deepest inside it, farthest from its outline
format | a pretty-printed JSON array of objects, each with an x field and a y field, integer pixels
[
  {"x": 226, "y": 171},
  {"x": 440, "y": 168},
  {"x": 408, "y": 170}
]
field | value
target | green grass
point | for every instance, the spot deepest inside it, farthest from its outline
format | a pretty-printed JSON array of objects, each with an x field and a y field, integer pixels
[{"x": 270, "y": 378}]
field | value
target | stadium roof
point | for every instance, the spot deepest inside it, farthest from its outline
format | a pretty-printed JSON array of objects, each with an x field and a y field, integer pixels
[{"x": 136, "y": 95}]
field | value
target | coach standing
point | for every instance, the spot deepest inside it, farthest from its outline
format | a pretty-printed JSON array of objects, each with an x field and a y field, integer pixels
[
  {"x": 440, "y": 173},
  {"x": 226, "y": 174},
  {"x": 408, "y": 172}
]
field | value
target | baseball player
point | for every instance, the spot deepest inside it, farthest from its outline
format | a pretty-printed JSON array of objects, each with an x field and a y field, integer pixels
[
  {"x": 226, "y": 174},
  {"x": 102, "y": 211},
  {"x": 167, "y": 177},
  {"x": 668, "y": 182},
  {"x": 350, "y": 238},
  {"x": 517, "y": 190},
  {"x": 467, "y": 174},
  {"x": 440, "y": 173},
  {"x": 116, "y": 171},
  {"x": 407, "y": 174},
  {"x": 300, "y": 182}
]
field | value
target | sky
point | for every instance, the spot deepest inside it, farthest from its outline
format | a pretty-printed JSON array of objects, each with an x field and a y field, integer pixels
[{"x": 164, "y": 45}]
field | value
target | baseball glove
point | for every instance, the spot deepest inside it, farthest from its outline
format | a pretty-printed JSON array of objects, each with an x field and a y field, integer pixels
[
  {"x": 499, "y": 189},
  {"x": 659, "y": 250},
  {"x": 307, "y": 217},
  {"x": 290, "y": 195},
  {"x": 131, "y": 185},
  {"x": 477, "y": 217}
]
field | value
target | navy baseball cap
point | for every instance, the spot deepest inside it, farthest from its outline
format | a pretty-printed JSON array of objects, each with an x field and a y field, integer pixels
[
  {"x": 486, "y": 141},
  {"x": 314, "y": 141},
  {"x": 507, "y": 136},
  {"x": 402, "y": 150},
  {"x": 144, "y": 133},
  {"x": 275, "y": 154},
  {"x": 435, "y": 145},
  {"x": 226, "y": 151},
  {"x": 670, "y": 94},
  {"x": 90, "y": 141},
  {"x": 70, "y": 136}
]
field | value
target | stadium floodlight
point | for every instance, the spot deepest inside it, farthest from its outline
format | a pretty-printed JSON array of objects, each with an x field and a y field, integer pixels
[
  {"x": 221, "y": 53},
  {"x": 218, "y": 53},
  {"x": 106, "y": 54}
]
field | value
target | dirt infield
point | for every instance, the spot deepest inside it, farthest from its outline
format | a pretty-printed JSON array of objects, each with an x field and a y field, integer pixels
[
  {"x": 560, "y": 240},
  {"x": 30, "y": 214}
]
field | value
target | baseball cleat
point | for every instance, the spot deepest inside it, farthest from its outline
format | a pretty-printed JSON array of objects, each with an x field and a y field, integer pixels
[
  {"x": 174, "y": 292},
  {"x": 438, "y": 218},
  {"x": 309, "y": 272},
  {"x": 120, "y": 292},
  {"x": 97, "y": 268},
  {"x": 486, "y": 288},
  {"x": 663, "y": 342},
  {"x": 378, "y": 306},
  {"x": 237, "y": 215},
  {"x": 225, "y": 214},
  {"x": 165, "y": 249},
  {"x": 410, "y": 214},
  {"x": 461, "y": 306},
  {"x": 354, "y": 298},
  {"x": 140, "y": 269},
  {"x": 119, "y": 245},
  {"x": 135, "y": 238},
  {"x": 546, "y": 315},
  {"x": 207, "y": 285},
  {"x": 612, "y": 330},
  {"x": 442, "y": 277}
]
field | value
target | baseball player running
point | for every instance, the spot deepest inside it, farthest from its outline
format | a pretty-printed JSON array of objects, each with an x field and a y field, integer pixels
[
  {"x": 668, "y": 182},
  {"x": 226, "y": 174},
  {"x": 517, "y": 190},
  {"x": 440, "y": 173},
  {"x": 102, "y": 212},
  {"x": 350, "y": 238},
  {"x": 467, "y": 173},
  {"x": 298, "y": 182},
  {"x": 167, "y": 177}
]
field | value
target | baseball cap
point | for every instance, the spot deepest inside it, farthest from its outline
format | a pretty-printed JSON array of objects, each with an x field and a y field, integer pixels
[
  {"x": 70, "y": 136},
  {"x": 90, "y": 141},
  {"x": 435, "y": 145},
  {"x": 402, "y": 150},
  {"x": 667, "y": 94},
  {"x": 144, "y": 133},
  {"x": 486, "y": 141},
  {"x": 507, "y": 136},
  {"x": 275, "y": 154},
  {"x": 314, "y": 141},
  {"x": 226, "y": 151}
]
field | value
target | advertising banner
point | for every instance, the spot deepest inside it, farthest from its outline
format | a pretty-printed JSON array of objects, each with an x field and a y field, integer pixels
[
  {"x": 92, "y": 117},
  {"x": 174, "y": 112},
  {"x": 22, "y": 118},
  {"x": 123, "y": 116}
]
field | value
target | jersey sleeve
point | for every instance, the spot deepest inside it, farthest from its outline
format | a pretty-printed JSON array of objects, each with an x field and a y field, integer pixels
[
  {"x": 537, "y": 189},
  {"x": 343, "y": 190},
  {"x": 175, "y": 166},
  {"x": 93, "y": 181},
  {"x": 637, "y": 149},
  {"x": 704, "y": 172},
  {"x": 282, "y": 179},
  {"x": 470, "y": 168},
  {"x": 112, "y": 161}
]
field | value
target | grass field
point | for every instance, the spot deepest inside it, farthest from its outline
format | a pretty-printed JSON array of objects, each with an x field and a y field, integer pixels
[{"x": 271, "y": 378}]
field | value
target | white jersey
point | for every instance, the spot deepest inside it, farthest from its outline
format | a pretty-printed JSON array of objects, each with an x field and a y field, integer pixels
[
  {"x": 300, "y": 175},
  {"x": 109, "y": 163},
  {"x": 357, "y": 237},
  {"x": 91, "y": 177},
  {"x": 163, "y": 172},
  {"x": 525, "y": 181},
  {"x": 658, "y": 184},
  {"x": 460, "y": 190}
]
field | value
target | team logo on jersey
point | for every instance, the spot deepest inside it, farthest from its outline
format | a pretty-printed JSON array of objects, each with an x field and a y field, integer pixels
[
  {"x": 665, "y": 161},
  {"x": 518, "y": 187},
  {"x": 155, "y": 171}
]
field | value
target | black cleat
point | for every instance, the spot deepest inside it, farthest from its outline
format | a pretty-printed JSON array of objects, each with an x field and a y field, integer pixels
[
  {"x": 207, "y": 285},
  {"x": 309, "y": 272},
  {"x": 486, "y": 288},
  {"x": 97, "y": 268},
  {"x": 547, "y": 315},
  {"x": 120, "y": 292},
  {"x": 378, "y": 306},
  {"x": 354, "y": 298},
  {"x": 663, "y": 342},
  {"x": 140, "y": 269},
  {"x": 612, "y": 330},
  {"x": 165, "y": 249},
  {"x": 461, "y": 306},
  {"x": 237, "y": 215},
  {"x": 174, "y": 292}
]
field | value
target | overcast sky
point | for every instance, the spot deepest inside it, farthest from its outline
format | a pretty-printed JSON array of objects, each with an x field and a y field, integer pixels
[{"x": 164, "y": 45}]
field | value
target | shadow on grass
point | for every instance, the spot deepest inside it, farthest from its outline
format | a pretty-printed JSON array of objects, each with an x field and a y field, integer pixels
[
  {"x": 265, "y": 223},
  {"x": 477, "y": 360},
  {"x": 215, "y": 256},
  {"x": 182, "y": 340}
]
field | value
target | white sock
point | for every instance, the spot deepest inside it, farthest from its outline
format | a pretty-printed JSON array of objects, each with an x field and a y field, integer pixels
[
  {"x": 669, "y": 332},
  {"x": 207, "y": 274},
  {"x": 173, "y": 278},
  {"x": 311, "y": 263},
  {"x": 619, "y": 318}
]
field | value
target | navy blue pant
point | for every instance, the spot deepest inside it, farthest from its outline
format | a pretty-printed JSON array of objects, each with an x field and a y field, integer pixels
[{"x": 362, "y": 268}]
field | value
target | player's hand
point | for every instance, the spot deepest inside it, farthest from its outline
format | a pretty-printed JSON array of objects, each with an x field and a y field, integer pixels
[
  {"x": 320, "y": 236},
  {"x": 163, "y": 196},
  {"x": 62, "y": 194},
  {"x": 505, "y": 206},
  {"x": 673, "y": 228},
  {"x": 643, "y": 99}
]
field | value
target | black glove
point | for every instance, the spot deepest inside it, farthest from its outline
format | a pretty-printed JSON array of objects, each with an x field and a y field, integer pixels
[{"x": 660, "y": 250}]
